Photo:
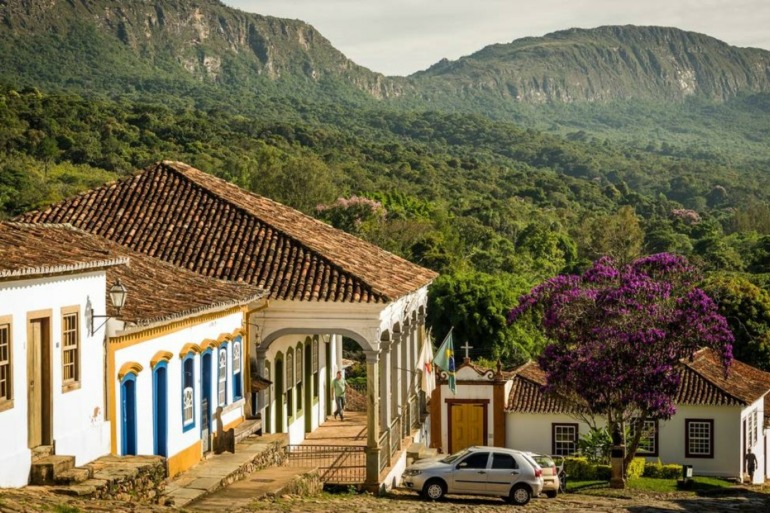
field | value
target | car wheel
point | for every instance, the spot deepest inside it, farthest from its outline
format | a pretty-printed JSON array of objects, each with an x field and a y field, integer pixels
[
  {"x": 551, "y": 494},
  {"x": 520, "y": 495},
  {"x": 434, "y": 490}
]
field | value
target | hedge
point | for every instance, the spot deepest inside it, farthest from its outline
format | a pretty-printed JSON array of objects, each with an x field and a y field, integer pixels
[
  {"x": 579, "y": 468},
  {"x": 658, "y": 470}
]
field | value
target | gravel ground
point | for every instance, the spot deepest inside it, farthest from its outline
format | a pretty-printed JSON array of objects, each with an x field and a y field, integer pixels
[{"x": 749, "y": 500}]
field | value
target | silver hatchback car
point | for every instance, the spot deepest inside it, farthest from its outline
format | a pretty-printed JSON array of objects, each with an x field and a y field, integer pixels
[{"x": 507, "y": 473}]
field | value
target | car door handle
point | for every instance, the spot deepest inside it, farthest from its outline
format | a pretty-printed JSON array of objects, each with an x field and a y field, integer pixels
[
  {"x": 482, "y": 472},
  {"x": 515, "y": 473}
]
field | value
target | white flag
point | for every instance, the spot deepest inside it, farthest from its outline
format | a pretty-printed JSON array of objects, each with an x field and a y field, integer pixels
[{"x": 425, "y": 364}]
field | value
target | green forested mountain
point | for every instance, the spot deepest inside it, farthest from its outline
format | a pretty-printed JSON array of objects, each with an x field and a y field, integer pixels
[{"x": 499, "y": 169}]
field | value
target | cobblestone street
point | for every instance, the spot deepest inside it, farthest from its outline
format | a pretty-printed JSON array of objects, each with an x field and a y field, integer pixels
[{"x": 748, "y": 500}]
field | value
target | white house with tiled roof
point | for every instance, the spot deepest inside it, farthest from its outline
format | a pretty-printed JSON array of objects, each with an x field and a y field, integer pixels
[
  {"x": 324, "y": 284},
  {"x": 718, "y": 417},
  {"x": 51, "y": 368},
  {"x": 80, "y": 379}
]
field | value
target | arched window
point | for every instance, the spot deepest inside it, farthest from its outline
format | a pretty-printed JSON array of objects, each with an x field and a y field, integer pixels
[
  {"x": 315, "y": 367},
  {"x": 237, "y": 363},
  {"x": 222, "y": 376},
  {"x": 298, "y": 375},
  {"x": 188, "y": 392},
  {"x": 290, "y": 383}
]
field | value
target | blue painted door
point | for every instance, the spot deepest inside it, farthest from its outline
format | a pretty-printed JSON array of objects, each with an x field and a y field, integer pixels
[
  {"x": 128, "y": 414},
  {"x": 160, "y": 402},
  {"x": 206, "y": 401}
]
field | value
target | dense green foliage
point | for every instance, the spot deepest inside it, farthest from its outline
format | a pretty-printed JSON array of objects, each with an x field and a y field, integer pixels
[
  {"x": 496, "y": 170},
  {"x": 493, "y": 207}
]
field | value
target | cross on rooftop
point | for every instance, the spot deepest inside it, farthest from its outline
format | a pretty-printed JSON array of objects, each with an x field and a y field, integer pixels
[{"x": 466, "y": 347}]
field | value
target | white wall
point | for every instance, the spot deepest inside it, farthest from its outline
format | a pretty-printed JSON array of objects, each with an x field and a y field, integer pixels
[
  {"x": 758, "y": 448},
  {"x": 79, "y": 425},
  {"x": 178, "y": 438},
  {"x": 534, "y": 431},
  {"x": 727, "y": 458},
  {"x": 479, "y": 392}
]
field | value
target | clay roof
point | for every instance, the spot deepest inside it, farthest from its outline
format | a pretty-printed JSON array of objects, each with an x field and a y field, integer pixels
[
  {"x": 196, "y": 221},
  {"x": 157, "y": 291},
  {"x": 28, "y": 251},
  {"x": 527, "y": 395},
  {"x": 703, "y": 382}
]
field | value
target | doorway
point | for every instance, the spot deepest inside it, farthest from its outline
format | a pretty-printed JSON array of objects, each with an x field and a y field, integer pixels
[
  {"x": 39, "y": 401},
  {"x": 160, "y": 407},
  {"x": 279, "y": 393},
  {"x": 467, "y": 425},
  {"x": 206, "y": 402},
  {"x": 128, "y": 415}
]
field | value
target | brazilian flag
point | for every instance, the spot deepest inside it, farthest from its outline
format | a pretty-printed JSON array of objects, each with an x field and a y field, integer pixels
[{"x": 445, "y": 359}]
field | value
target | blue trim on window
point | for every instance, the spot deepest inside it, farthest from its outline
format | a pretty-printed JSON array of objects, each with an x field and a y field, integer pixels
[
  {"x": 237, "y": 376},
  {"x": 222, "y": 347},
  {"x": 188, "y": 380}
]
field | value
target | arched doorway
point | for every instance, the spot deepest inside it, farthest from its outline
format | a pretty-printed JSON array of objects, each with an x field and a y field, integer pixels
[
  {"x": 279, "y": 393},
  {"x": 128, "y": 414},
  {"x": 160, "y": 408}
]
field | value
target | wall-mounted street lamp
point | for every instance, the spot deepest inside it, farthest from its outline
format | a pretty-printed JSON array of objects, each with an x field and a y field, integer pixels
[{"x": 118, "y": 293}]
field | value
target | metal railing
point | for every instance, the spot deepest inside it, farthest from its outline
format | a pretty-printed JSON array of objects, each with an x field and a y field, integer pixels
[
  {"x": 337, "y": 464},
  {"x": 414, "y": 411},
  {"x": 395, "y": 435},
  {"x": 384, "y": 445}
]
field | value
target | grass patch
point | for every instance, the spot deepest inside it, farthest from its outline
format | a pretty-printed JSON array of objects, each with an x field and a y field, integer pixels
[{"x": 699, "y": 485}]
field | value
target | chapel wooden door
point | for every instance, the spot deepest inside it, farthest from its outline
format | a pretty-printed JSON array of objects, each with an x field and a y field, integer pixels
[{"x": 466, "y": 426}]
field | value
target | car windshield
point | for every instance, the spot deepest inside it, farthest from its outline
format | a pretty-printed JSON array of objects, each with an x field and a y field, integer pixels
[
  {"x": 455, "y": 456},
  {"x": 530, "y": 460},
  {"x": 543, "y": 461}
]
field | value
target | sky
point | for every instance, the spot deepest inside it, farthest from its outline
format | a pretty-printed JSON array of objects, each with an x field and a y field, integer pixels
[{"x": 399, "y": 37}]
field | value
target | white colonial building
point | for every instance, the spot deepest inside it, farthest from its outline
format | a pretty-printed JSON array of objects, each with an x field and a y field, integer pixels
[
  {"x": 51, "y": 367},
  {"x": 718, "y": 417}
]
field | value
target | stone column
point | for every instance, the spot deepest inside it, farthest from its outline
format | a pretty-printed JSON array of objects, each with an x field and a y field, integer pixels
[
  {"x": 395, "y": 381},
  {"x": 372, "y": 418},
  {"x": 406, "y": 342},
  {"x": 262, "y": 394},
  {"x": 385, "y": 384}
]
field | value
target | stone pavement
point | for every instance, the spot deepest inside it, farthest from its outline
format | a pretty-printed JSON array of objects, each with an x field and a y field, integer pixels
[
  {"x": 740, "y": 500},
  {"x": 251, "y": 454}
]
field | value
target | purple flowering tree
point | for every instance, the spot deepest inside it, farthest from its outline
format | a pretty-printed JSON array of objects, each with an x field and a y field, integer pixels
[{"x": 617, "y": 334}]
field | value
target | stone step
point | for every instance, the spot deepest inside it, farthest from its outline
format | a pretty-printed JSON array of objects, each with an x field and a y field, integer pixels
[
  {"x": 42, "y": 451},
  {"x": 73, "y": 476},
  {"x": 45, "y": 470},
  {"x": 247, "y": 428}
]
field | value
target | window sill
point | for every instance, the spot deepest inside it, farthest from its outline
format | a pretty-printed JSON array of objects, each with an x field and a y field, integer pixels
[
  {"x": 69, "y": 387},
  {"x": 6, "y": 405}
]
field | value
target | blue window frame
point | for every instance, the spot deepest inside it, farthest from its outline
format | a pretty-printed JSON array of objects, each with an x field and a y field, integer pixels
[
  {"x": 222, "y": 375},
  {"x": 237, "y": 363},
  {"x": 188, "y": 392}
]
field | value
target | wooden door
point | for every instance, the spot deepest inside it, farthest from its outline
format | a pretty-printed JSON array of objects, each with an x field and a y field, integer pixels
[
  {"x": 467, "y": 426},
  {"x": 39, "y": 411}
]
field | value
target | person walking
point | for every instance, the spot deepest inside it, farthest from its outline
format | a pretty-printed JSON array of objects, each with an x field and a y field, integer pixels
[
  {"x": 751, "y": 465},
  {"x": 339, "y": 385}
]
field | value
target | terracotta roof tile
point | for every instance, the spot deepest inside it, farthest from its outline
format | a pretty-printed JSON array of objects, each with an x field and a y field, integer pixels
[
  {"x": 28, "y": 250},
  {"x": 703, "y": 382},
  {"x": 527, "y": 395},
  {"x": 196, "y": 221},
  {"x": 157, "y": 291}
]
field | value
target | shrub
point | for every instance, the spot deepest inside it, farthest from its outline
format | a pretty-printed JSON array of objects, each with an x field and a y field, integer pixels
[
  {"x": 636, "y": 468},
  {"x": 660, "y": 471},
  {"x": 580, "y": 469}
]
